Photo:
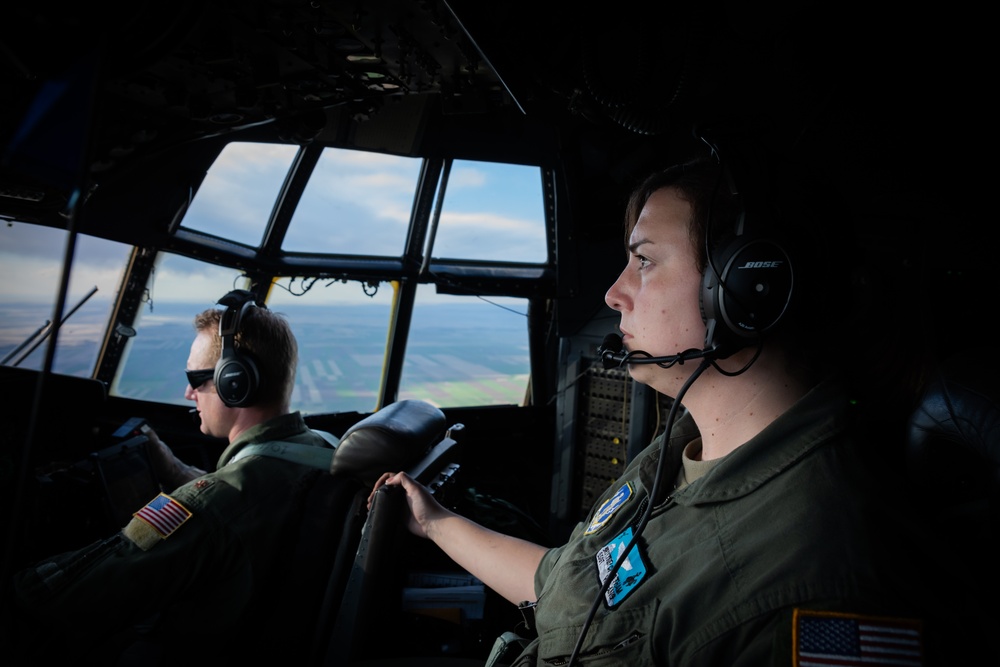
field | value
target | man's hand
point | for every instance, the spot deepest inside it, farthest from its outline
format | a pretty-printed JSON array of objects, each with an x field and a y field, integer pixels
[{"x": 171, "y": 471}]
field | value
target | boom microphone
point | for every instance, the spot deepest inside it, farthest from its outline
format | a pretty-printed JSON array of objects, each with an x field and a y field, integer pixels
[
  {"x": 610, "y": 351},
  {"x": 612, "y": 354}
]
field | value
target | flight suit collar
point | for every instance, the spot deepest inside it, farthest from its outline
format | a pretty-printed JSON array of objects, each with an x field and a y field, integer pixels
[
  {"x": 816, "y": 418},
  {"x": 281, "y": 427},
  {"x": 683, "y": 431}
]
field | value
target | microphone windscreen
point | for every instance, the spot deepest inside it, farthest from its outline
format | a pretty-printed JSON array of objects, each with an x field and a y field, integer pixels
[
  {"x": 612, "y": 343},
  {"x": 610, "y": 348}
]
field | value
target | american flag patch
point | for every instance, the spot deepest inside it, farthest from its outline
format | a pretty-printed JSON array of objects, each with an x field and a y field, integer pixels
[
  {"x": 827, "y": 638},
  {"x": 164, "y": 514}
]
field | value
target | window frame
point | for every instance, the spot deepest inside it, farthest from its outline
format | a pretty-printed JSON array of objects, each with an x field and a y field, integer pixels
[{"x": 533, "y": 281}]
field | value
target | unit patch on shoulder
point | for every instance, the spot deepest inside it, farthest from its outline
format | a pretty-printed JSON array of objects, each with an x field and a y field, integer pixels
[
  {"x": 829, "y": 638},
  {"x": 610, "y": 506},
  {"x": 158, "y": 520}
]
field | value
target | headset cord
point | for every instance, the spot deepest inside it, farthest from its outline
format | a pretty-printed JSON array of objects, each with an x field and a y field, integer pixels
[{"x": 646, "y": 515}]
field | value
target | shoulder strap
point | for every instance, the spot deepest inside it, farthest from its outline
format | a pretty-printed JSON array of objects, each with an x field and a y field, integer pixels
[
  {"x": 329, "y": 437},
  {"x": 317, "y": 457}
]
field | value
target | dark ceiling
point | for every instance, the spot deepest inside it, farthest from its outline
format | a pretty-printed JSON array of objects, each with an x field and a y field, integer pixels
[{"x": 885, "y": 103}]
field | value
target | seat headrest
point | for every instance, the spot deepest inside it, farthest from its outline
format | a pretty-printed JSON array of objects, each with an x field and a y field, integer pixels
[
  {"x": 954, "y": 434},
  {"x": 392, "y": 439}
]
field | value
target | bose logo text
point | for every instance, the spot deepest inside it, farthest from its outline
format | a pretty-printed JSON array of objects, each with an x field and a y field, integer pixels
[
  {"x": 773, "y": 264},
  {"x": 233, "y": 374}
]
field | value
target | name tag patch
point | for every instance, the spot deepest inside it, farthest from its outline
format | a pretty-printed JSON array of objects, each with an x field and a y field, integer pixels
[
  {"x": 610, "y": 506},
  {"x": 629, "y": 575}
]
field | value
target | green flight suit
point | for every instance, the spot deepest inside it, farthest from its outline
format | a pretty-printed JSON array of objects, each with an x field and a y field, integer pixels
[
  {"x": 788, "y": 520},
  {"x": 202, "y": 576}
]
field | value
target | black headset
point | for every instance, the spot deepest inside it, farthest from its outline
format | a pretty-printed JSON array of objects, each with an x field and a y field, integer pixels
[
  {"x": 237, "y": 379},
  {"x": 749, "y": 279}
]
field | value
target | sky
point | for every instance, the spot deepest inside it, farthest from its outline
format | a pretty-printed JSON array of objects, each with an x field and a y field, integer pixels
[{"x": 357, "y": 203}]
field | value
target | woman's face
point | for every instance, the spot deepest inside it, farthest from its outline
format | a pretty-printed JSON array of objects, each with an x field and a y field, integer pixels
[{"x": 658, "y": 292}]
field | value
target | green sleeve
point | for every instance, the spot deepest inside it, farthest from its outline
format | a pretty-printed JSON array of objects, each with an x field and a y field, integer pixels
[{"x": 114, "y": 583}]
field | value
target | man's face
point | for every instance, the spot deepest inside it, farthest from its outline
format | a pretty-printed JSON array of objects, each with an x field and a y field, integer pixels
[
  {"x": 216, "y": 417},
  {"x": 657, "y": 294}
]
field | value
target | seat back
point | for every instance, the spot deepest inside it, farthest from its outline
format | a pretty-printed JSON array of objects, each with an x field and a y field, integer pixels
[
  {"x": 396, "y": 437},
  {"x": 281, "y": 624},
  {"x": 377, "y": 571},
  {"x": 309, "y": 583}
]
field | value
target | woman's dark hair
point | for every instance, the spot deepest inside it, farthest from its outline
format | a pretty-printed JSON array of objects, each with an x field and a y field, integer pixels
[{"x": 699, "y": 183}]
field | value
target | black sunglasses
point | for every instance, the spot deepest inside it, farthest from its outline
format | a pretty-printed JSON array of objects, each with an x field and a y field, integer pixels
[{"x": 198, "y": 378}]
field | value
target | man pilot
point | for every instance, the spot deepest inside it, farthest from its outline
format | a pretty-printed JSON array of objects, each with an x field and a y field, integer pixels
[{"x": 190, "y": 564}]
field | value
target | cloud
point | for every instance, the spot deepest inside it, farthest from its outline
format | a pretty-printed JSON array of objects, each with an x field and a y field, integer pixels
[
  {"x": 466, "y": 177},
  {"x": 31, "y": 261}
]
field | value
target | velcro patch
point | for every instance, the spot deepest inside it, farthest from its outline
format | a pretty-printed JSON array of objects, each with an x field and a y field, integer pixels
[
  {"x": 140, "y": 532},
  {"x": 158, "y": 520},
  {"x": 608, "y": 508},
  {"x": 628, "y": 576},
  {"x": 830, "y": 638}
]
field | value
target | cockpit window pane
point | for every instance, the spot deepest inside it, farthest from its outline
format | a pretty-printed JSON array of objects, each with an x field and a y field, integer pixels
[
  {"x": 355, "y": 203},
  {"x": 237, "y": 196},
  {"x": 492, "y": 211},
  {"x": 466, "y": 351},
  {"x": 31, "y": 263},
  {"x": 341, "y": 329},
  {"x": 154, "y": 360}
]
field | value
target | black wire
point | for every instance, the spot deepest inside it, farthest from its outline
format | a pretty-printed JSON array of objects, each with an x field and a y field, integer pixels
[
  {"x": 687, "y": 355},
  {"x": 746, "y": 366},
  {"x": 653, "y": 496}
]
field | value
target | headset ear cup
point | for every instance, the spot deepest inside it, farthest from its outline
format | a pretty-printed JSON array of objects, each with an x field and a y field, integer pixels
[
  {"x": 237, "y": 380},
  {"x": 746, "y": 290},
  {"x": 236, "y": 376}
]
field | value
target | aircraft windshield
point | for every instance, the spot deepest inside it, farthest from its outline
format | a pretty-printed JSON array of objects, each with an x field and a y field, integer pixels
[{"x": 462, "y": 349}]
